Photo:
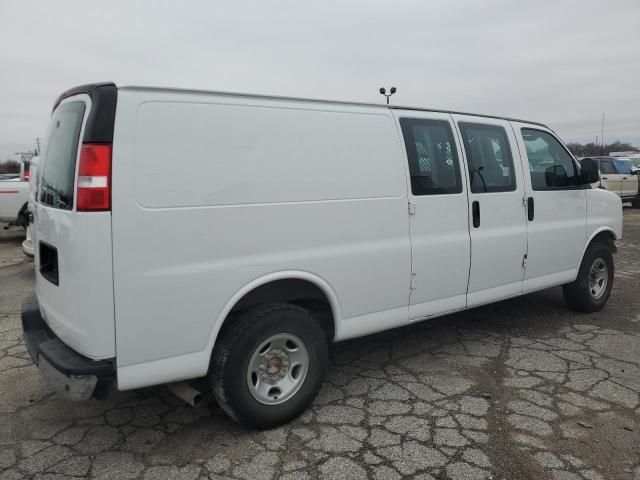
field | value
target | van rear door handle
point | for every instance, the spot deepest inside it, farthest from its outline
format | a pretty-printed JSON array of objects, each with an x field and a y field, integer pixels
[
  {"x": 475, "y": 212},
  {"x": 530, "y": 209},
  {"x": 624, "y": 178},
  {"x": 605, "y": 178}
]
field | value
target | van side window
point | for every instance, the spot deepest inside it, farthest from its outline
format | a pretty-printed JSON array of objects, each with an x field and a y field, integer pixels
[
  {"x": 489, "y": 157},
  {"x": 551, "y": 167},
  {"x": 433, "y": 159},
  {"x": 606, "y": 166}
]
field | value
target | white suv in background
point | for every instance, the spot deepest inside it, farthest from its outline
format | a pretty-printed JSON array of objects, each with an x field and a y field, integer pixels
[
  {"x": 27, "y": 245},
  {"x": 14, "y": 196},
  {"x": 619, "y": 176}
]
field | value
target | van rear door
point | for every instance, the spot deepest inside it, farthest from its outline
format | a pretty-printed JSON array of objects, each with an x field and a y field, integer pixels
[{"x": 72, "y": 222}]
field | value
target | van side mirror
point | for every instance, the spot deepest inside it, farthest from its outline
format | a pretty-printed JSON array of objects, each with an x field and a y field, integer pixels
[
  {"x": 588, "y": 171},
  {"x": 556, "y": 177}
]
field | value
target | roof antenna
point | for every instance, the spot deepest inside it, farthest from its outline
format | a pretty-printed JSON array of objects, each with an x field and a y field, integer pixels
[{"x": 383, "y": 91}]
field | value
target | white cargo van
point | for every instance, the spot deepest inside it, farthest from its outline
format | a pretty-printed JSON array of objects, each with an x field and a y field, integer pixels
[{"x": 183, "y": 234}]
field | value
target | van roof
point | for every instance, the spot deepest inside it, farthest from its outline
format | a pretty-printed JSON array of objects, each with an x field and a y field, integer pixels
[
  {"x": 89, "y": 88},
  {"x": 320, "y": 101}
]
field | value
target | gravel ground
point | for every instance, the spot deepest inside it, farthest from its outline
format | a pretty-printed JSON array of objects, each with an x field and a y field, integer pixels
[{"x": 518, "y": 390}]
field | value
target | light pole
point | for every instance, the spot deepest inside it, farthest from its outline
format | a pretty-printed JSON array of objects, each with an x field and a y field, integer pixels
[{"x": 383, "y": 91}]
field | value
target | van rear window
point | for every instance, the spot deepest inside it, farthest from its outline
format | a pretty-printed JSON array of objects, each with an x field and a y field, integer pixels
[{"x": 58, "y": 174}]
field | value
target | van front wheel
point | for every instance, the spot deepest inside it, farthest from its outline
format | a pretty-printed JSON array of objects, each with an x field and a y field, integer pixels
[
  {"x": 591, "y": 290},
  {"x": 269, "y": 365}
]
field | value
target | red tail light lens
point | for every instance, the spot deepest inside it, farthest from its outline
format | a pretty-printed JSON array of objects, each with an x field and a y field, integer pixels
[{"x": 94, "y": 178}]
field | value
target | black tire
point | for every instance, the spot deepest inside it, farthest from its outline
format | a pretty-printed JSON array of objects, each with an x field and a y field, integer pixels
[
  {"x": 233, "y": 352},
  {"x": 23, "y": 217},
  {"x": 635, "y": 203},
  {"x": 578, "y": 294}
]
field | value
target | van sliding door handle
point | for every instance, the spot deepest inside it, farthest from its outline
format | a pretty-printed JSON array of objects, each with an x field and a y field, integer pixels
[
  {"x": 530, "y": 209},
  {"x": 475, "y": 212}
]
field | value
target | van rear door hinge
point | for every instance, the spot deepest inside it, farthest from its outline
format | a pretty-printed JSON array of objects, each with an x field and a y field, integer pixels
[
  {"x": 412, "y": 208},
  {"x": 413, "y": 281},
  {"x": 524, "y": 261}
]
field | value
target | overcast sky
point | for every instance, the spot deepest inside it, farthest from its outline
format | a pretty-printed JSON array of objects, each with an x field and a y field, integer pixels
[{"x": 559, "y": 62}]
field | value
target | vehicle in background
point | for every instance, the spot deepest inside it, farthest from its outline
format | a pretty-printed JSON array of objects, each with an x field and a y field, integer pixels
[
  {"x": 9, "y": 176},
  {"x": 307, "y": 222},
  {"x": 617, "y": 176},
  {"x": 627, "y": 163},
  {"x": 14, "y": 197},
  {"x": 635, "y": 159},
  {"x": 27, "y": 245},
  {"x": 626, "y": 154}
]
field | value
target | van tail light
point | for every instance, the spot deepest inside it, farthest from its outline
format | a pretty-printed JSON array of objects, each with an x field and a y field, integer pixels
[
  {"x": 94, "y": 178},
  {"x": 25, "y": 176}
]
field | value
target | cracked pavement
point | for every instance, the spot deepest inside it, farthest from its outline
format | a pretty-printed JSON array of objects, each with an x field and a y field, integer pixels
[{"x": 516, "y": 390}]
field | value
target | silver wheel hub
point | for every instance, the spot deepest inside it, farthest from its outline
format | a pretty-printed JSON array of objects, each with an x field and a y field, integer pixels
[
  {"x": 598, "y": 278},
  {"x": 274, "y": 366},
  {"x": 277, "y": 369}
]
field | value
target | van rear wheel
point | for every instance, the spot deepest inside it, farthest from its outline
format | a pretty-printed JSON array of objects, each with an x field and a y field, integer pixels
[
  {"x": 269, "y": 364},
  {"x": 591, "y": 289}
]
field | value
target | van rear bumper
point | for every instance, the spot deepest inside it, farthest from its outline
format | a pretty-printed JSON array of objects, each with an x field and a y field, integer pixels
[{"x": 75, "y": 376}]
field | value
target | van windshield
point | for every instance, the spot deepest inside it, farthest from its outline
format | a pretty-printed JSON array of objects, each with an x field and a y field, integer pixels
[{"x": 58, "y": 173}]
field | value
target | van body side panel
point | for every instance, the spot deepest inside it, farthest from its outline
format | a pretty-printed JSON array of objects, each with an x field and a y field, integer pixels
[{"x": 212, "y": 193}]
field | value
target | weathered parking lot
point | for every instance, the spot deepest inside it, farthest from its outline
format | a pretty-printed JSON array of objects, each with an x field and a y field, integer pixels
[{"x": 518, "y": 390}]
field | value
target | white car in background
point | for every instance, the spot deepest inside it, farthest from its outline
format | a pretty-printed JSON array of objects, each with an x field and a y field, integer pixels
[
  {"x": 635, "y": 161},
  {"x": 14, "y": 196},
  {"x": 27, "y": 245},
  {"x": 618, "y": 176}
]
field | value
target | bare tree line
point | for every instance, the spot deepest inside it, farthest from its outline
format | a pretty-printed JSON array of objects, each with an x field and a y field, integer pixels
[
  {"x": 10, "y": 166},
  {"x": 595, "y": 149}
]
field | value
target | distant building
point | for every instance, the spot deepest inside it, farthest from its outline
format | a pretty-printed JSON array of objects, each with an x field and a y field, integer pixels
[{"x": 623, "y": 154}]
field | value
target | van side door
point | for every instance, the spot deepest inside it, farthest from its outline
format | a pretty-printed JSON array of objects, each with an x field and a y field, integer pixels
[
  {"x": 496, "y": 218},
  {"x": 556, "y": 208},
  {"x": 438, "y": 210}
]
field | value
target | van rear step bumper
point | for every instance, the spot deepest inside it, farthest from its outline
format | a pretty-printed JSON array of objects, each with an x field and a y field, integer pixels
[{"x": 75, "y": 376}]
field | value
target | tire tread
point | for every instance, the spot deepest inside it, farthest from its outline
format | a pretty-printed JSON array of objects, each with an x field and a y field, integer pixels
[
  {"x": 228, "y": 338},
  {"x": 576, "y": 294}
]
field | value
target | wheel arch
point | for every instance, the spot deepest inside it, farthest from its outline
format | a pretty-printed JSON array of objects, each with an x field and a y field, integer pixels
[
  {"x": 278, "y": 287},
  {"x": 605, "y": 234}
]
